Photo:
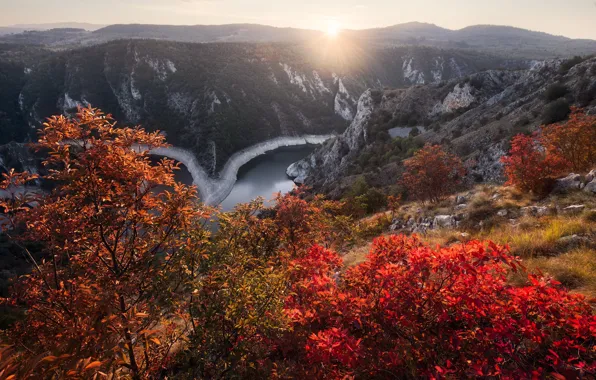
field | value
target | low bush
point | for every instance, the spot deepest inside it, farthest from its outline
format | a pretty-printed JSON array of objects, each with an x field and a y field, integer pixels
[
  {"x": 556, "y": 111},
  {"x": 570, "y": 63},
  {"x": 555, "y": 91},
  {"x": 415, "y": 312}
]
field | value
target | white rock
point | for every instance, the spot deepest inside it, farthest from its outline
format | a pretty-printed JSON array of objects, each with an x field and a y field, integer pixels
[
  {"x": 502, "y": 213},
  {"x": 536, "y": 210},
  {"x": 574, "y": 209},
  {"x": 460, "y": 199},
  {"x": 294, "y": 77},
  {"x": 460, "y": 97},
  {"x": 412, "y": 75},
  {"x": 444, "y": 221},
  {"x": 590, "y": 187}
]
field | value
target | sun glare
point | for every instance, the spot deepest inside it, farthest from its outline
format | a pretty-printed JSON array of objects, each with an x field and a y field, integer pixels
[{"x": 332, "y": 28}]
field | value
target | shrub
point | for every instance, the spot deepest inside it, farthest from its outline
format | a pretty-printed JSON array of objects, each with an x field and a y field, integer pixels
[
  {"x": 556, "y": 111},
  {"x": 574, "y": 141},
  {"x": 410, "y": 311},
  {"x": 555, "y": 91},
  {"x": 432, "y": 173},
  {"x": 529, "y": 167},
  {"x": 587, "y": 94},
  {"x": 570, "y": 63}
]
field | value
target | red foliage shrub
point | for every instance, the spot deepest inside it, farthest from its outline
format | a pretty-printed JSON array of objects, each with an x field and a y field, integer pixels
[
  {"x": 573, "y": 141},
  {"x": 432, "y": 173},
  {"x": 529, "y": 166},
  {"x": 535, "y": 161},
  {"x": 411, "y": 311}
]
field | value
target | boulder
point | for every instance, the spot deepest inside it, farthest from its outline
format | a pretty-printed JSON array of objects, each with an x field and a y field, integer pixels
[
  {"x": 574, "y": 209},
  {"x": 570, "y": 183},
  {"x": 590, "y": 187},
  {"x": 460, "y": 207},
  {"x": 536, "y": 211},
  {"x": 591, "y": 176},
  {"x": 573, "y": 241},
  {"x": 444, "y": 221},
  {"x": 460, "y": 200},
  {"x": 502, "y": 213}
]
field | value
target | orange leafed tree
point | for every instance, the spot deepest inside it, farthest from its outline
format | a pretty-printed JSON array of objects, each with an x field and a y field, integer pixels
[
  {"x": 431, "y": 174},
  {"x": 529, "y": 166},
  {"x": 534, "y": 162},
  {"x": 573, "y": 141},
  {"x": 106, "y": 298}
]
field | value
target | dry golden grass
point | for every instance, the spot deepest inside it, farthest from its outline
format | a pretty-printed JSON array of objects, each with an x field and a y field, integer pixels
[
  {"x": 356, "y": 255},
  {"x": 535, "y": 240},
  {"x": 532, "y": 237},
  {"x": 575, "y": 270}
]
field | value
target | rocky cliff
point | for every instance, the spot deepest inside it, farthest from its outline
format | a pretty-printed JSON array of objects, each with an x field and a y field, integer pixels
[
  {"x": 474, "y": 117},
  {"x": 215, "y": 99}
]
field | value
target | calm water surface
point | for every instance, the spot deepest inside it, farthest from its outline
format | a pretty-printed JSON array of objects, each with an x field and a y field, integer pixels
[{"x": 261, "y": 177}]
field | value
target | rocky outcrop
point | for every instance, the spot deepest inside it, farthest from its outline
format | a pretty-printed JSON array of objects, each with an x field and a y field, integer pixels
[
  {"x": 473, "y": 117},
  {"x": 333, "y": 157},
  {"x": 574, "y": 182},
  {"x": 536, "y": 211},
  {"x": 590, "y": 184},
  {"x": 570, "y": 183},
  {"x": 444, "y": 221}
]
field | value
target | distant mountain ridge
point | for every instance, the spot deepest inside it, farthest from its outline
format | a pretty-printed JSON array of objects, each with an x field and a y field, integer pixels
[
  {"x": 57, "y": 25},
  {"x": 507, "y": 41}
]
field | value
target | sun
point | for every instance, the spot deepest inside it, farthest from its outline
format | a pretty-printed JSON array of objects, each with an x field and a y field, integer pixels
[{"x": 333, "y": 28}]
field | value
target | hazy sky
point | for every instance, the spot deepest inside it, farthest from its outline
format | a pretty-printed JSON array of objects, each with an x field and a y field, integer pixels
[{"x": 573, "y": 18}]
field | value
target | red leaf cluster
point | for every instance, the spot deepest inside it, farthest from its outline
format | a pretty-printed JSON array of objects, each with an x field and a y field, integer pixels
[
  {"x": 413, "y": 311},
  {"x": 535, "y": 161}
]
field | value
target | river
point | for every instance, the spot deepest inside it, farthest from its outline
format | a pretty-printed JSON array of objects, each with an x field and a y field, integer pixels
[{"x": 261, "y": 177}]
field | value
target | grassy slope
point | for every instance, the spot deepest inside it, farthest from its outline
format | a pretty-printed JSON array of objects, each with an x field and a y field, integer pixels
[{"x": 537, "y": 240}]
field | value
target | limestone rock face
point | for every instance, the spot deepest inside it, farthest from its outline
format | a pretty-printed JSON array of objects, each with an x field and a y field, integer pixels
[
  {"x": 299, "y": 170},
  {"x": 333, "y": 157}
]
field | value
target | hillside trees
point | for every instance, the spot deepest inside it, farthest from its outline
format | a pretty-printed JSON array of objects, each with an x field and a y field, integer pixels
[
  {"x": 106, "y": 297},
  {"x": 529, "y": 167},
  {"x": 237, "y": 307},
  {"x": 535, "y": 161},
  {"x": 573, "y": 141},
  {"x": 431, "y": 174}
]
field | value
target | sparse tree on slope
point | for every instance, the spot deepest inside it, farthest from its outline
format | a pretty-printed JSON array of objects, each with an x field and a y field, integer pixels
[
  {"x": 431, "y": 174},
  {"x": 573, "y": 141}
]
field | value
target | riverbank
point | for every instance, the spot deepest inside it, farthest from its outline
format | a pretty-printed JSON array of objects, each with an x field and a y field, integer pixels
[{"x": 213, "y": 191}]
